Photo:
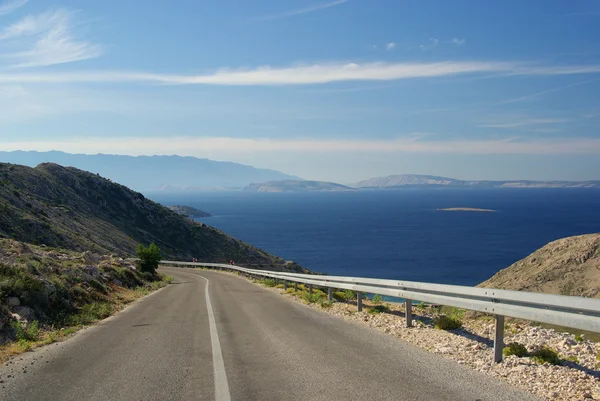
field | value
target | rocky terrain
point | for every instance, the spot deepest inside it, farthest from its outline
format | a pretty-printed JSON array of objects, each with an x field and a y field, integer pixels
[
  {"x": 189, "y": 211},
  {"x": 43, "y": 289},
  {"x": 296, "y": 186},
  {"x": 73, "y": 209},
  {"x": 568, "y": 266}
]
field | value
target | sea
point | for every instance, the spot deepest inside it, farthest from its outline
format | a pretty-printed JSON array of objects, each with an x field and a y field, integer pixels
[{"x": 401, "y": 234}]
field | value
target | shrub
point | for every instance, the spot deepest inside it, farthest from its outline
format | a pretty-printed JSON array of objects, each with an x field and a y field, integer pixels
[
  {"x": 312, "y": 298},
  {"x": 29, "y": 333},
  {"x": 443, "y": 322},
  {"x": 546, "y": 355},
  {"x": 269, "y": 282},
  {"x": 324, "y": 303},
  {"x": 280, "y": 286},
  {"x": 377, "y": 299},
  {"x": 515, "y": 349},
  {"x": 572, "y": 358},
  {"x": 378, "y": 309},
  {"x": 339, "y": 296},
  {"x": 580, "y": 338},
  {"x": 290, "y": 291},
  {"x": 149, "y": 257},
  {"x": 89, "y": 313}
]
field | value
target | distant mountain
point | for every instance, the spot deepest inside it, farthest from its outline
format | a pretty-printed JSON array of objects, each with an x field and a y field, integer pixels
[
  {"x": 392, "y": 181},
  {"x": 64, "y": 207},
  {"x": 155, "y": 173},
  {"x": 296, "y": 186}
]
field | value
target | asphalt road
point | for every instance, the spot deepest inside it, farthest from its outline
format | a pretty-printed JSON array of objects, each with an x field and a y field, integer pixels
[{"x": 241, "y": 342}]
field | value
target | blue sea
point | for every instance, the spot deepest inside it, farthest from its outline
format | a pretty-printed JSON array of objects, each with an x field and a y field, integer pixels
[{"x": 400, "y": 234}]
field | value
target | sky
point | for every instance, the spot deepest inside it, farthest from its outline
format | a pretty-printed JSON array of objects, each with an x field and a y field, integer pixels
[{"x": 338, "y": 90}]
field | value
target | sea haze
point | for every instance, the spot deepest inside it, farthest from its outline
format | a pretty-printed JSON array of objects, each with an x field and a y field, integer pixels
[{"x": 400, "y": 234}]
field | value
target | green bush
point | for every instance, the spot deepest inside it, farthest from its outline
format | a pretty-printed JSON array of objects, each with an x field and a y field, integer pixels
[
  {"x": 546, "y": 355},
  {"x": 280, "y": 286},
  {"x": 29, "y": 333},
  {"x": 579, "y": 338},
  {"x": 290, "y": 290},
  {"x": 339, "y": 296},
  {"x": 269, "y": 282},
  {"x": 378, "y": 309},
  {"x": 90, "y": 313},
  {"x": 443, "y": 322},
  {"x": 515, "y": 349},
  {"x": 377, "y": 299},
  {"x": 149, "y": 257},
  {"x": 312, "y": 298}
]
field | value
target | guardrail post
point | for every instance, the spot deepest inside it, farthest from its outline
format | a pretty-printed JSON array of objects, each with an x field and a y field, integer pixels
[
  {"x": 408, "y": 312},
  {"x": 310, "y": 288},
  {"x": 359, "y": 301},
  {"x": 499, "y": 339},
  {"x": 276, "y": 281},
  {"x": 330, "y": 294},
  {"x": 295, "y": 286},
  {"x": 285, "y": 284}
]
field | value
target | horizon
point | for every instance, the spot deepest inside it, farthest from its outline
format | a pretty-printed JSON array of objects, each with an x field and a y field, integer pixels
[{"x": 337, "y": 91}]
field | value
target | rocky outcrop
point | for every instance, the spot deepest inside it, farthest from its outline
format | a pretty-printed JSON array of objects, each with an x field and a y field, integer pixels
[{"x": 568, "y": 266}]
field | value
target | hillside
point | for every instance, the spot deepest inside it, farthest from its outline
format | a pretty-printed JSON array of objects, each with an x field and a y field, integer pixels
[
  {"x": 392, "y": 181},
  {"x": 296, "y": 186},
  {"x": 154, "y": 173},
  {"x": 69, "y": 208},
  {"x": 189, "y": 211},
  {"x": 568, "y": 266}
]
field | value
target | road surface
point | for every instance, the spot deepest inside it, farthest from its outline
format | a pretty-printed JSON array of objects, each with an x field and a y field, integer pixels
[{"x": 242, "y": 342}]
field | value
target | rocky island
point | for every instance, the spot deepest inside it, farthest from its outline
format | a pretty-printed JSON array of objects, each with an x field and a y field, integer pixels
[
  {"x": 189, "y": 211},
  {"x": 296, "y": 186},
  {"x": 465, "y": 209}
]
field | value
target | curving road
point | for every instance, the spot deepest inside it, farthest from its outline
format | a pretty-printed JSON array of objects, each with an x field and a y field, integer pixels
[{"x": 237, "y": 341}]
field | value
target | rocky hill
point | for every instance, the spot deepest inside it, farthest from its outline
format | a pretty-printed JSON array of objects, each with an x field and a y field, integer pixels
[
  {"x": 568, "y": 266},
  {"x": 69, "y": 208},
  {"x": 403, "y": 180},
  {"x": 296, "y": 186},
  {"x": 189, "y": 211}
]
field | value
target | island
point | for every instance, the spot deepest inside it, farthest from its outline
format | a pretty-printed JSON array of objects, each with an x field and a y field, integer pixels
[
  {"x": 189, "y": 211},
  {"x": 296, "y": 186},
  {"x": 465, "y": 209}
]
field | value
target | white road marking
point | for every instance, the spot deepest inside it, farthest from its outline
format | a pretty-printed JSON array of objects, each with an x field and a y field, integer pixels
[{"x": 221, "y": 385}]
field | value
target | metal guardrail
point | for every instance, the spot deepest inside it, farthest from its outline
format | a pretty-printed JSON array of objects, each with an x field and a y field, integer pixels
[{"x": 568, "y": 311}]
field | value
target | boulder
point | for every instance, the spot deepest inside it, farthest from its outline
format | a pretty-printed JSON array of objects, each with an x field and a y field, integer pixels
[
  {"x": 91, "y": 258},
  {"x": 13, "y": 301},
  {"x": 92, "y": 271},
  {"x": 24, "y": 312}
]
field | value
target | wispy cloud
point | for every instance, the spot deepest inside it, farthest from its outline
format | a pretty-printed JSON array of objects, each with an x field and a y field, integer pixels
[
  {"x": 304, "y": 74},
  {"x": 559, "y": 71},
  {"x": 8, "y": 7},
  {"x": 525, "y": 123},
  {"x": 390, "y": 46},
  {"x": 432, "y": 43},
  {"x": 457, "y": 41},
  {"x": 46, "y": 39},
  {"x": 306, "y": 10},
  {"x": 194, "y": 146}
]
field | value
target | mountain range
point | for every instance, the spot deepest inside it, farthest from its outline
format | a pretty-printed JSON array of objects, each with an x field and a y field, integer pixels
[{"x": 155, "y": 173}]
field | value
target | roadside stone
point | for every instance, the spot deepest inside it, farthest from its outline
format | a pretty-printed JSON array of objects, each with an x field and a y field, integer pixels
[
  {"x": 13, "y": 301},
  {"x": 24, "y": 312}
]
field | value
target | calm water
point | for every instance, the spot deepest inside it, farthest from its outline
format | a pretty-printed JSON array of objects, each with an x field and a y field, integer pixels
[{"x": 399, "y": 234}]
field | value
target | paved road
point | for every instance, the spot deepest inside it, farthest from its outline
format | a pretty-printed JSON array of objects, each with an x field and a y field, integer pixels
[{"x": 242, "y": 342}]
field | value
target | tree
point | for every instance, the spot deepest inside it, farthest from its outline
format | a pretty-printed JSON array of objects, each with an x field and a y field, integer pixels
[{"x": 149, "y": 257}]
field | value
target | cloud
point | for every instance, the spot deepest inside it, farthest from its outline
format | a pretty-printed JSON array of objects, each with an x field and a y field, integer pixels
[
  {"x": 8, "y": 7},
  {"x": 194, "y": 146},
  {"x": 433, "y": 43},
  {"x": 526, "y": 122},
  {"x": 457, "y": 41},
  {"x": 390, "y": 46},
  {"x": 49, "y": 39},
  {"x": 300, "y": 11},
  {"x": 303, "y": 74}
]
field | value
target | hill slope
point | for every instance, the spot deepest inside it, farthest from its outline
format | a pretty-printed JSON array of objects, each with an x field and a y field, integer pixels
[
  {"x": 68, "y": 208},
  {"x": 568, "y": 266},
  {"x": 296, "y": 186},
  {"x": 154, "y": 173}
]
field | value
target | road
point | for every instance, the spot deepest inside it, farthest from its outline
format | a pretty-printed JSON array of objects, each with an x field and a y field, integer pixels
[{"x": 242, "y": 342}]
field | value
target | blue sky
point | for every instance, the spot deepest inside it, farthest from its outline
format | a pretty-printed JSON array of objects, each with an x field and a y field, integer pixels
[{"x": 335, "y": 90}]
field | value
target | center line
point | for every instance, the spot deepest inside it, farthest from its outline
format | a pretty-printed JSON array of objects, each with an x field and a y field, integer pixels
[{"x": 221, "y": 385}]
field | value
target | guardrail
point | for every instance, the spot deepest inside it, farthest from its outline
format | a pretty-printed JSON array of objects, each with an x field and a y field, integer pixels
[{"x": 568, "y": 311}]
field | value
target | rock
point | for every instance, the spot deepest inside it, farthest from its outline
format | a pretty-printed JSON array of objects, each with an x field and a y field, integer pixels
[
  {"x": 24, "y": 312},
  {"x": 117, "y": 282},
  {"x": 92, "y": 271},
  {"x": 13, "y": 301},
  {"x": 91, "y": 258},
  {"x": 23, "y": 249}
]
